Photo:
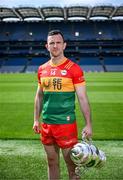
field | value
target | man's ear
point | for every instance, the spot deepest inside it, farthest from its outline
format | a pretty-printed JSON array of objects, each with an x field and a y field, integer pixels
[
  {"x": 65, "y": 44},
  {"x": 46, "y": 46}
]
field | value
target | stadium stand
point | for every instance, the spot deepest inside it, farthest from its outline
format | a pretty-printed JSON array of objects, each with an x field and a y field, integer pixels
[
  {"x": 97, "y": 45},
  {"x": 13, "y": 64}
]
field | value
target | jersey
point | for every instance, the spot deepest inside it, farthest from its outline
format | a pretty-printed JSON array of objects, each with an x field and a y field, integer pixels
[{"x": 58, "y": 86}]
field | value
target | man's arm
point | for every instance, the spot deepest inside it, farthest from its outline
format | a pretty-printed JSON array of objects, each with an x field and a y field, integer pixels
[
  {"x": 37, "y": 109},
  {"x": 85, "y": 108}
]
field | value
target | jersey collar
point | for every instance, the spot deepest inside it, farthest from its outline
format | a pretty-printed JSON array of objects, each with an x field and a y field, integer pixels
[{"x": 62, "y": 62}]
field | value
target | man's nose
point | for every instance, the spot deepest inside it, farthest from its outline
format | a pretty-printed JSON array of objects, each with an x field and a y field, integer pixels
[{"x": 55, "y": 44}]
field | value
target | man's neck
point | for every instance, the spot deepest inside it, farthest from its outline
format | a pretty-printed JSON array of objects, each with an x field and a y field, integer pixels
[{"x": 57, "y": 60}]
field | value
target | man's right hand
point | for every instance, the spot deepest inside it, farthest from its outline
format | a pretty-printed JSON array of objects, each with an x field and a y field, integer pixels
[{"x": 36, "y": 127}]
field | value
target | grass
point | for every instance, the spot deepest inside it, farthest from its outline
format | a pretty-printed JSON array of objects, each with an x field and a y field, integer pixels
[
  {"x": 25, "y": 159},
  {"x": 21, "y": 154},
  {"x": 105, "y": 91}
]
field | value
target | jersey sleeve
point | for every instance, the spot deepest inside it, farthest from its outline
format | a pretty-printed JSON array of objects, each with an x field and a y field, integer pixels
[{"x": 78, "y": 75}]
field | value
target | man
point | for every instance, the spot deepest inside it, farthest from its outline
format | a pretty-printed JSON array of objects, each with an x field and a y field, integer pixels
[{"x": 59, "y": 79}]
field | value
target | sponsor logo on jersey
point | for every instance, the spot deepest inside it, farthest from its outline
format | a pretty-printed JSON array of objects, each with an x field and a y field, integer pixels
[
  {"x": 49, "y": 83},
  {"x": 46, "y": 83},
  {"x": 44, "y": 72},
  {"x": 57, "y": 83}
]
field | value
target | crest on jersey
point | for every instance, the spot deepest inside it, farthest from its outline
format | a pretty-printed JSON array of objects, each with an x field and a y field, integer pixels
[{"x": 63, "y": 72}]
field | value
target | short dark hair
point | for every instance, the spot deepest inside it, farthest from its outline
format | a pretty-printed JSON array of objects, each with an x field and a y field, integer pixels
[{"x": 55, "y": 32}]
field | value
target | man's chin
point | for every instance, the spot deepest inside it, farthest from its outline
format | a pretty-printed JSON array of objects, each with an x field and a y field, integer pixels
[{"x": 55, "y": 55}]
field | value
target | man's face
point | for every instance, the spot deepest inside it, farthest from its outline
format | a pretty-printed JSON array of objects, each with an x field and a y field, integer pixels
[{"x": 55, "y": 45}]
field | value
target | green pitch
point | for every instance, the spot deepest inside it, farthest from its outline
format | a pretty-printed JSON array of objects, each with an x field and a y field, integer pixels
[
  {"x": 25, "y": 159},
  {"x": 105, "y": 92}
]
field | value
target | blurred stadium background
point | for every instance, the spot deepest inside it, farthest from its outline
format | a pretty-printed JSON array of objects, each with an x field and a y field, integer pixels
[
  {"x": 95, "y": 41},
  {"x": 94, "y": 36}
]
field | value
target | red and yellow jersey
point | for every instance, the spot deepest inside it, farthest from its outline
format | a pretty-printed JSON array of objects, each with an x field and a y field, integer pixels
[{"x": 58, "y": 85}]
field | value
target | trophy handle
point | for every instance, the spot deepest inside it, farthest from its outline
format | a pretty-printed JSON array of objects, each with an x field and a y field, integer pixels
[{"x": 87, "y": 140}]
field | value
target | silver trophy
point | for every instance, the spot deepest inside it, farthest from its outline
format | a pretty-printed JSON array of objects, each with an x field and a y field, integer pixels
[{"x": 86, "y": 155}]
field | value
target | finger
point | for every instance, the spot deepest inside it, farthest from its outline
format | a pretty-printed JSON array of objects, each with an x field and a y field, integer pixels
[{"x": 36, "y": 129}]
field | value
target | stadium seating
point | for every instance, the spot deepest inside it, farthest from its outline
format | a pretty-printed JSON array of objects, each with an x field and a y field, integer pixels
[
  {"x": 22, "y": 41},
  {"x": 114, "y": 64},
  {"x": 35, "y": 63},
  {"x": 88, "y": 30}
]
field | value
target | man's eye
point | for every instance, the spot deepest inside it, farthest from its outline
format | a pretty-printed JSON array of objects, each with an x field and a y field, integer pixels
[
  {"x": 58, "y": 42},
  {"x": 51, "y": 43}
]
